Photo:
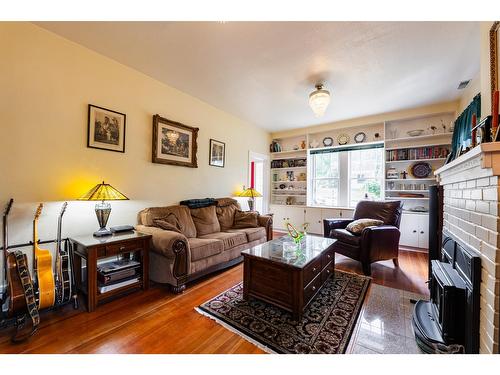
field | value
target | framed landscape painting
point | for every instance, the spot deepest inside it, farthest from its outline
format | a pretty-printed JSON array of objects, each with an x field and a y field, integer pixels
[
  {"x": 174, "y": 143},
  {"x": 106, "y": 129},
  {"x": 217, "y": 155}
]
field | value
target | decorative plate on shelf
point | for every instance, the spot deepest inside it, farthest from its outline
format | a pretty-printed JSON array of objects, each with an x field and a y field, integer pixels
[
  {"x": 343, "y": 139},
  {"x": 328, "y": 141},
  {"x": 415, "y": 133},
  {"x": 421, "y": 169},
  {"x": 360, "y": 137}
]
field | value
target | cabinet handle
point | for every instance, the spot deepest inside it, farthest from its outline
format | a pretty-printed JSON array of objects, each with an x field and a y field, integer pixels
[
  {"x": 414, "y": 231},
  {"x": 122, "y": 248},
  {"x": 421, "y": 232},
  {"x": 328, "y": 256},
  {"x": 327, "y": 271},
  {"x": 313, "y": 288}
]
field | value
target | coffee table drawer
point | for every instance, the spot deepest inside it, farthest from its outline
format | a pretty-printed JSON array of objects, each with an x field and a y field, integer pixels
[
  {"x": 312, "y": 270},
  {"x": 312, "y": 289},
  {"x": 327, "y": 257},
  {"x": 327, "y": 272}
]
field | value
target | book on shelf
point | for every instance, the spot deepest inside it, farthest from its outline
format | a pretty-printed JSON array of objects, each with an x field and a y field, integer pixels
[
  {"x": 289, "y": 163},
  {"x": 103, "y": 288},
  {"x": 416, "y": 153}
]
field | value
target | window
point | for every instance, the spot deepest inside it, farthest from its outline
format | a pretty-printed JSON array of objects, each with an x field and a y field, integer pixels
[
  {"x": 325, "y": 181},
  {"x": 366, "y": 176},
  {"x": 344, "y": 177}
]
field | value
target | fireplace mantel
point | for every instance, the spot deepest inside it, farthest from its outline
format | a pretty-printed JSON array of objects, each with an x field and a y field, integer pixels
[
  {"x": 471, "y": 214},
  {"x": 487, "y": 153}
]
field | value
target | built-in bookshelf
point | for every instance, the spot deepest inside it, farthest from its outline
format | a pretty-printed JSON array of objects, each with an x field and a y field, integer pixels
[{"x": 422, "y": 142}]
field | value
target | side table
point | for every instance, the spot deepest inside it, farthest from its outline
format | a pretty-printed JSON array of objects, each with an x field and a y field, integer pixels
[{"x": 92, "y": 249}]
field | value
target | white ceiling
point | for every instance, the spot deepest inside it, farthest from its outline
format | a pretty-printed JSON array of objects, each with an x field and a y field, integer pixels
[{"x": 262, "y": 72}]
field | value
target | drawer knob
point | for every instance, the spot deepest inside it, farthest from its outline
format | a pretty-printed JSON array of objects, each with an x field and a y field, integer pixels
[
  {"x": 414, "y": 231},
  {"x": 314, "y": 269},
  {"x": 327, "y": 271},
  {"x": 421, "y": 232},
  {"x": 328, "y": 256},
  {"x": 313, "y": 288},
  {"x": 122, "y": 248}
]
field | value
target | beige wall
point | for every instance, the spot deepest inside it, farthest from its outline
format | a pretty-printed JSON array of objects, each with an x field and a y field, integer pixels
[
  {"x": 472, "y": 89},
  {"x": 46, "y": 83}
]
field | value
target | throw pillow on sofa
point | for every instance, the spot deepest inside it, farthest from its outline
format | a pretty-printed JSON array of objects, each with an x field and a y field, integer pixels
[
  {"x": 205, "y": 220},
  {"x": 226, "y": 207},
  {"x": 170, "y": 222},
  {"x": 357, "y": 226},
  {"x": 246, "y": 220}
]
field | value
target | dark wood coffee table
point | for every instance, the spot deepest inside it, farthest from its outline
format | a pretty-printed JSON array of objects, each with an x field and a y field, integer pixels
[{"x": 288, "y": 283}]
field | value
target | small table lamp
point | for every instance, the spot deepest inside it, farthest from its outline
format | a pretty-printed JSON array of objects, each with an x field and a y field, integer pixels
[
  {"x": 252, "y": 194},
  {"x": 103, "y": 192}
]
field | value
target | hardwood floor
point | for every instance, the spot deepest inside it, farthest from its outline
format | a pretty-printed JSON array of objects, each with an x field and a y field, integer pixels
[{"x": 158, "y": 321}]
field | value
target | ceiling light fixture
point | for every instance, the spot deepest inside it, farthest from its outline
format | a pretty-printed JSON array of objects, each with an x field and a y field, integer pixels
[{"x": 319, "y": 100}]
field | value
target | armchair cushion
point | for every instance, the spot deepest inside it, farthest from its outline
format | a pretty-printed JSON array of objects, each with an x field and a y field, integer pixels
[
  {"x": 246, "y": 219},
  {"x": 344, "y": 235},
  {"x": 357, "y": 226}
]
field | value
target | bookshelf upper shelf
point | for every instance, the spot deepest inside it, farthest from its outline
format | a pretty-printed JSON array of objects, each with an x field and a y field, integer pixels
[{"x": 419, "y": 137}]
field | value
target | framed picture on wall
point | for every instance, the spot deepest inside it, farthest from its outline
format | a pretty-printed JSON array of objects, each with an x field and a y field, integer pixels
[
  {"x": 217, "y": 157},
  {"x": 174, "y": 143},
  {"x": 106, "y": 129}
]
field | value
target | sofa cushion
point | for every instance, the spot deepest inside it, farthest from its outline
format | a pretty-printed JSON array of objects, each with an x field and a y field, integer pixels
[
  {"x": 252, "y": 234},
  {"x": 345, "y": 236},
  {"x": 230, "y": 240},
  {"x": 181, "y": 216},
  {"x": 246, "y": 219},
  {"x": 205, "y": 220},
  {"x": 202, "y": 248},
  {"x": 225, "y": 215},
  {"x": 170, "y": 222}
]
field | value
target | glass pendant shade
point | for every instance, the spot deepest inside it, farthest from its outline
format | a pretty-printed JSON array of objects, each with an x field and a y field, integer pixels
[{"x": 319, "y": 100}]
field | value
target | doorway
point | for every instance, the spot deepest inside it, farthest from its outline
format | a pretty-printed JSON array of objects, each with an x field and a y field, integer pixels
[{"x": 260, "y": 179}]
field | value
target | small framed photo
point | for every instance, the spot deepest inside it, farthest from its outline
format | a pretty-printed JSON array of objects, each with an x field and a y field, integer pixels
[
  {"x": 106, "y": 129},
  {"x": 174, "y": 143},
  {"x": 217, "y": 155}
]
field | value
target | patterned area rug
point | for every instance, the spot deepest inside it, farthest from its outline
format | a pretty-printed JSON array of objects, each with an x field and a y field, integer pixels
[{"x": 326, "y": 326}]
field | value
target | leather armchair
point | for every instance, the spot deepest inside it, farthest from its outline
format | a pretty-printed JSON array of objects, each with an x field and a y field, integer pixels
[{"x": 374, "y": 243}]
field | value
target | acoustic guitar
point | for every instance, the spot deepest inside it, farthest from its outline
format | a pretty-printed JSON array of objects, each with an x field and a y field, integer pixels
[
  {"x": 63, "y": 276},
  {"x": 15, "y": 291},
  {"x": 43, "y": 276}
]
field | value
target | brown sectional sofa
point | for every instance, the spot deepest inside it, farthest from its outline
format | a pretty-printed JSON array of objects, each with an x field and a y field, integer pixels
[{"x": 198, "y": 241}]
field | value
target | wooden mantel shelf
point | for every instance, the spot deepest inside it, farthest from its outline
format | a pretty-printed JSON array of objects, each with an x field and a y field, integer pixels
[{"x": 485, "y": 151}]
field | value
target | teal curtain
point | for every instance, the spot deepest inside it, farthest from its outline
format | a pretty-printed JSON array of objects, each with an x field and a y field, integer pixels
[{"x": 462, "y": 129}]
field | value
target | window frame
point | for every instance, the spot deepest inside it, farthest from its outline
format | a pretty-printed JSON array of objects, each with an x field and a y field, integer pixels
[{"x": 344, "y": 179}]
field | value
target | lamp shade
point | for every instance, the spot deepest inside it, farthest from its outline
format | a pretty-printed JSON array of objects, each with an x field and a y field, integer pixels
[
  {"x": 319, "y": 100},
  {"x": 250, "y": 193},
  {"x": 103, "y": 192}
]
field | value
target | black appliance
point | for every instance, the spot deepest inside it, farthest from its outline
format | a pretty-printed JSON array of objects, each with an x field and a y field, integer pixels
[{"x": 449, "y": 322}]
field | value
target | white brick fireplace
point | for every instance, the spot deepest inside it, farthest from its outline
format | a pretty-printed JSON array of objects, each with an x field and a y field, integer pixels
[{"x": 471, "y": 213}]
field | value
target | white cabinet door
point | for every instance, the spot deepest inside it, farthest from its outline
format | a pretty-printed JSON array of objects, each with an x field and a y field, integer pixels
[
  {"x": 423, "y": 231},
  {"x": 409, "y": 230},
  {"x": 331, "y": 213},
  {"x": 313, "y": 217},
  {"x": 279, "y": 216},
  {"x": 347, "y": 214},
  {"x": 295, "y": 215},
  {"x": 284, "y": 214}
]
